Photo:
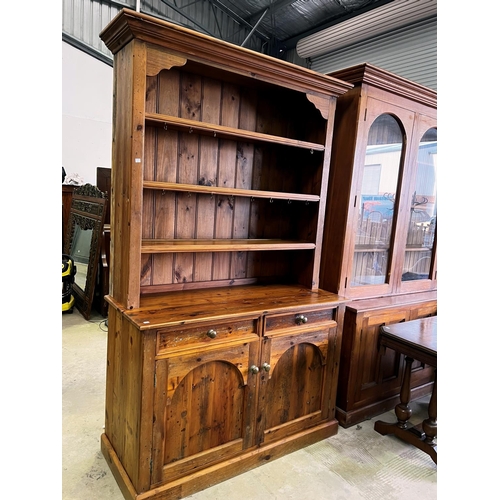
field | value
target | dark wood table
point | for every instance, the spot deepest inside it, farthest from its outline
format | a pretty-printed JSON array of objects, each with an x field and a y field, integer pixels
[{"x": 415, "y": 339}]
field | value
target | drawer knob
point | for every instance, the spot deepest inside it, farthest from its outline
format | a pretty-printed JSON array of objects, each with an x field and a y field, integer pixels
[
  {"x": 211, "y": 333},
  {"x": 266, "y": 367},
  {"x": 300, "y": 319},
  {"x": 254, "y": 369}
]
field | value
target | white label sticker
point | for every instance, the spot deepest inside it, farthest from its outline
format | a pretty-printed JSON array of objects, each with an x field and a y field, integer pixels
[{"x": 138, "y": 160}]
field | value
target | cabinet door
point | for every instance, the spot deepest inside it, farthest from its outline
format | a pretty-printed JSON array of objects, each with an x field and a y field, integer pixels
[
  {"x": 378, "y": 374},
  {"x": 295, "y": 393},
  {"x": 381, "y": 156},
  {"x": 419, "y": 266},
  {"x": 204, "y": 408}
]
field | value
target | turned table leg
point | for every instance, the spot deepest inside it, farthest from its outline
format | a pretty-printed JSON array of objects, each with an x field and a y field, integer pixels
[
  {"x": 429, "y": 425},
  {"x": 402, "y": 410}
]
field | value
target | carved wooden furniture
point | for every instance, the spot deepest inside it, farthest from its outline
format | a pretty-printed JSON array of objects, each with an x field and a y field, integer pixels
[
  {"x": 222, "y": 350},
  {"x": 416, "y": 340},
  {"x": 67, "y": 198},
  {"x": 380, "y": 230},
  {"x": 83, "y": 242}
]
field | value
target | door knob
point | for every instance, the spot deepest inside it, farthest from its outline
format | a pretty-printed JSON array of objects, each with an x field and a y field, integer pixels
[
  {"x": 300, "y": 319},
  {"x": 211, "y": 333}
]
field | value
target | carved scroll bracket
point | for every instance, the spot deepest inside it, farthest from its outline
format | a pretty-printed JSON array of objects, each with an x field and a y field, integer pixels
[
  {"x": 159, "y": 59},
  {"x": 322, "y": 104}
]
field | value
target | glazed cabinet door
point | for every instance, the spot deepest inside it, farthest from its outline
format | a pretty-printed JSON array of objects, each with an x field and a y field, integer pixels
[
  {"x": 205, "y": 396},
  {"x": 418, "y": 268},
  {"x": 381, "y": 156},
  {"x": 295, "y": 390}
]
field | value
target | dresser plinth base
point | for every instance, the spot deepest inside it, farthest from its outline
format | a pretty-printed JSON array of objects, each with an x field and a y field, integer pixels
[{"x": 217, "y": 473}]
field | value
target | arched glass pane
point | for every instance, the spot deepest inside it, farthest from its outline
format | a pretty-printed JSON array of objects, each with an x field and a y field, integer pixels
[
  {"x": 372, "y": 251},
  {"x": 422, "y": 227}
]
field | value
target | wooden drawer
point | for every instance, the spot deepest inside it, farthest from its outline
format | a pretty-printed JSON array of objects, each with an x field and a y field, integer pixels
[
  {"x": 295, "y": 320},
  {"x": 202, "y": 336}
]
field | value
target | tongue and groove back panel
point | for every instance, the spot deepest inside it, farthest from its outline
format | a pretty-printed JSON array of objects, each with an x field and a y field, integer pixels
[{"x": 186, "y": 157}]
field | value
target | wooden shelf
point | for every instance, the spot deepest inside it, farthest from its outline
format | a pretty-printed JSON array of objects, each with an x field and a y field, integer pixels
[
  {"x": 417, "y": 248},
  {"x": 220, "y": 131},
  {"x": 193, "y": 188},
  {"x": 370, "y": 248},
  {"x": 222, "y": 245}
]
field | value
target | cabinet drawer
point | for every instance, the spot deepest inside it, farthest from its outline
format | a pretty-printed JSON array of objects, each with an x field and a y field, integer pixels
[
  {"x": 294, "y": 320},
  {"x": 182, "y": 338}
]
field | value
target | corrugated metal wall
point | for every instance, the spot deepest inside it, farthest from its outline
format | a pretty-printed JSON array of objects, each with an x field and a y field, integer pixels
[
  {"x": 410, "y": 52},
  {"x": 83, "y": 20}
]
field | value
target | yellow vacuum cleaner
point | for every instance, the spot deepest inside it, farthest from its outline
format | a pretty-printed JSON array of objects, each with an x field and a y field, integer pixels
[{"x": 68, "y": 278}]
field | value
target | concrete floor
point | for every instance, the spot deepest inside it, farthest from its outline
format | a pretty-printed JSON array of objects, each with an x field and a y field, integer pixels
[{"x": 356, "y": 464}]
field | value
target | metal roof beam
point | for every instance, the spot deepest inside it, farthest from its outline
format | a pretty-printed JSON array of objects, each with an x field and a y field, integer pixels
[
  {"x": 238, "y": 19},
  {"x": 254, "y": 28},
  {"x": 188, "y": 17}
]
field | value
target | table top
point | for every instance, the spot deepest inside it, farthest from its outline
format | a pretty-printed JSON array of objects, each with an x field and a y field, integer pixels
[{"x": 416, "y": 339}]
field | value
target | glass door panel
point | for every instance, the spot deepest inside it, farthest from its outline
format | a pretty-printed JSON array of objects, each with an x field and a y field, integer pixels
[
  {"x": 423, "y": 212},
  {"x": 372, "y": 252}
]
